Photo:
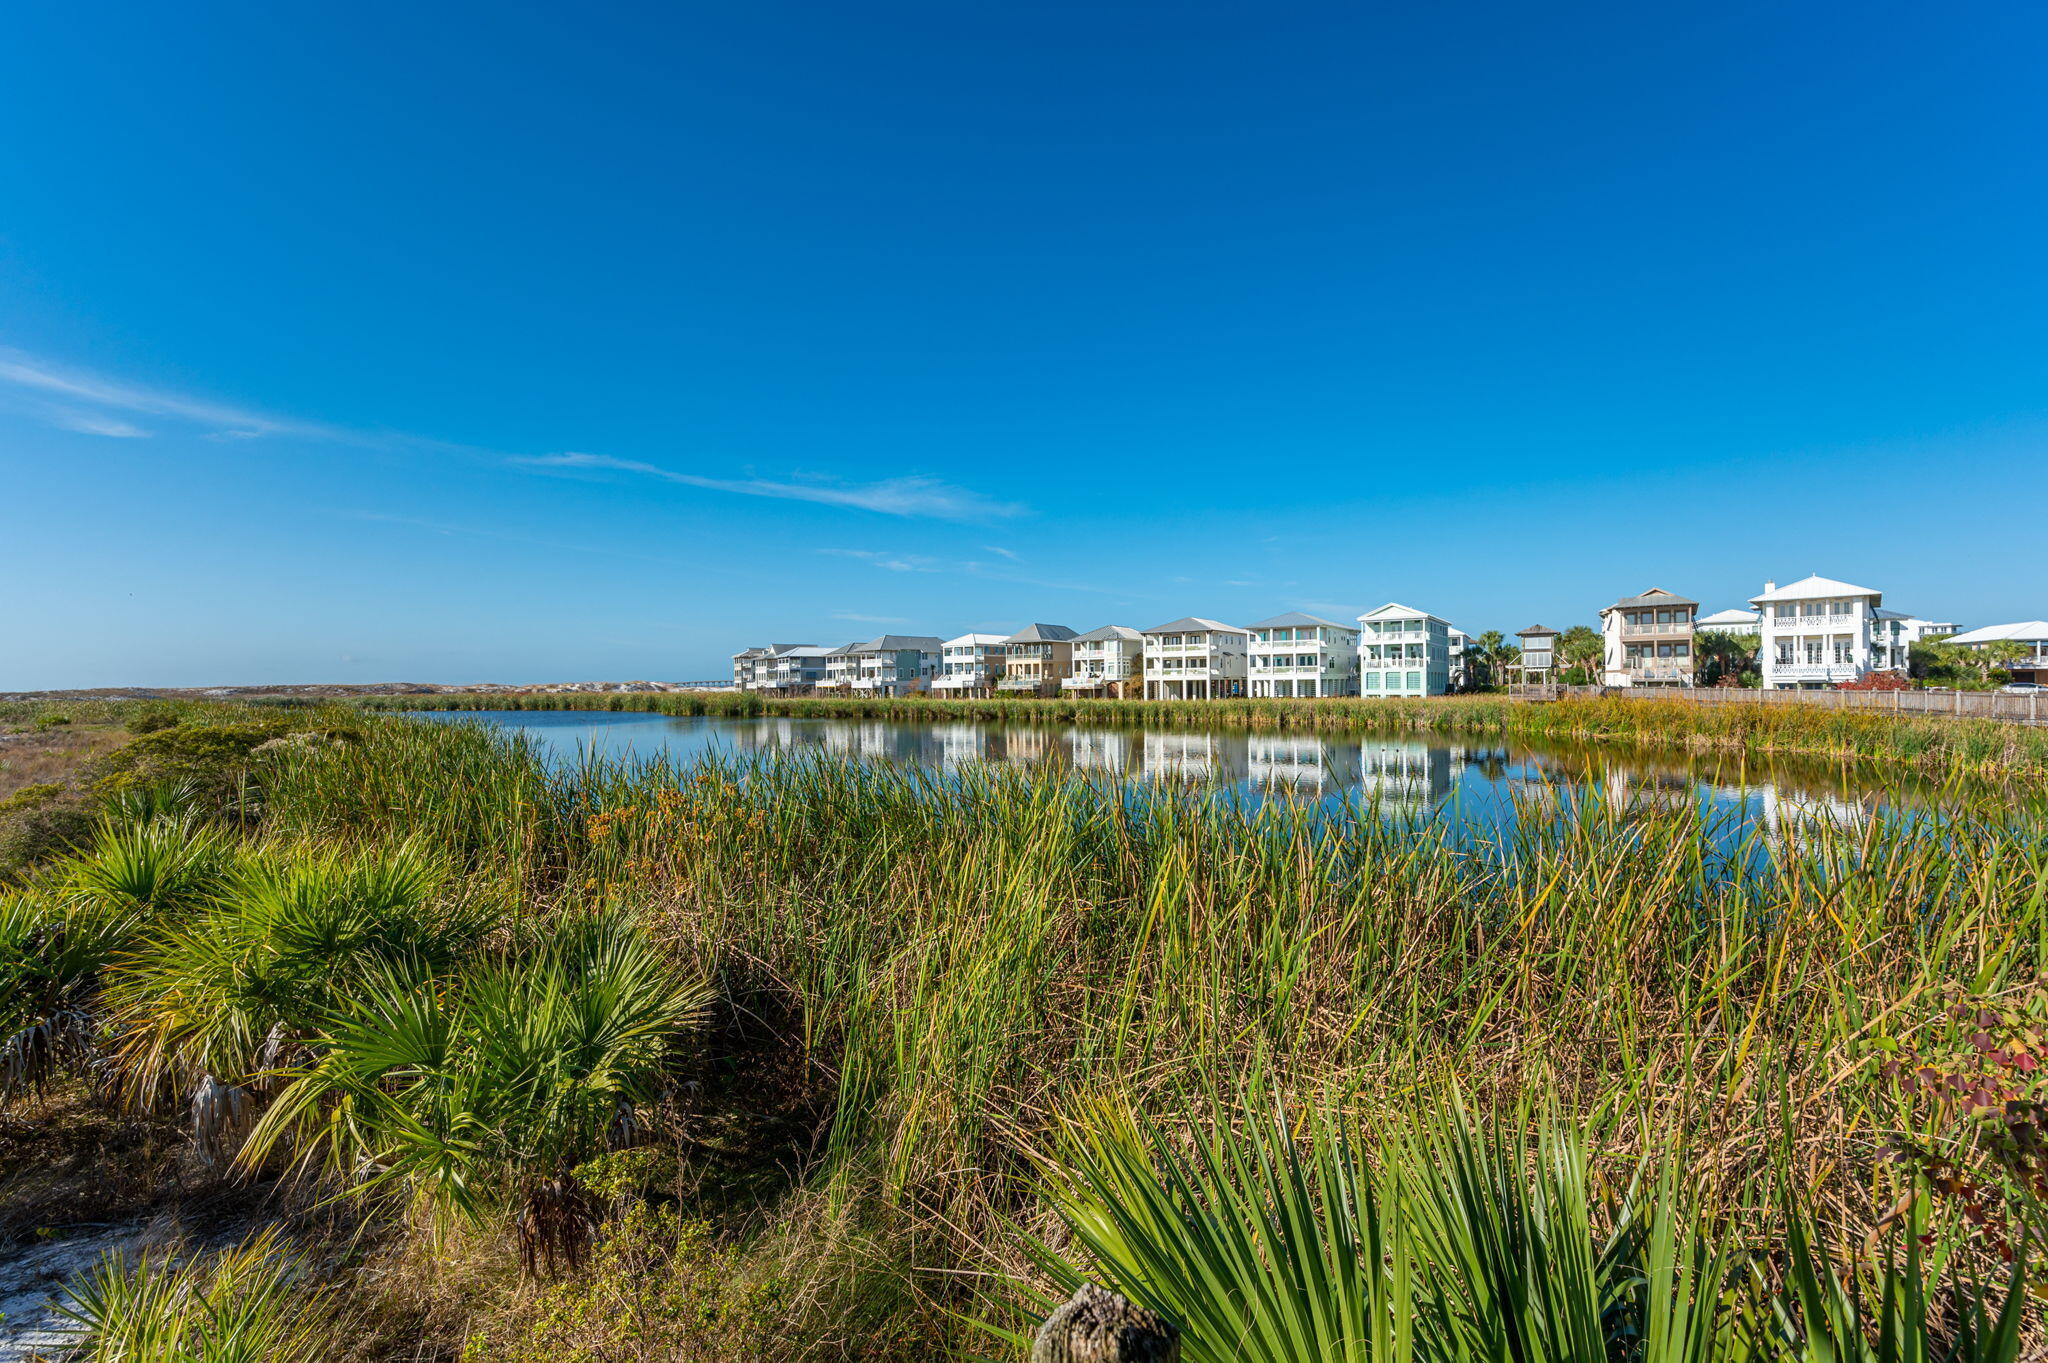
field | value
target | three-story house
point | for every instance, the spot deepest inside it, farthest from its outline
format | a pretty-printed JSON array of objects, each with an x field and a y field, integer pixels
[
  {"x": 1303, "y": 655},
  {"x": 1194, "y": 658},
  {"x": 1647, "y": 640},
  {"x": 1403, "y": 652}
]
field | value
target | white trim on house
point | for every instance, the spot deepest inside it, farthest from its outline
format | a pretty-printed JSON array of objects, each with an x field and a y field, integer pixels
[
  {"x": 1195, "y": 658},
  {"x": 1106, "y": 659},
  {"x": 1819, "y": 632},
  {"x": 1403, "y": 652},
  {"x": 972, "y": 662},
  {"x": 1295, "y": 655}
]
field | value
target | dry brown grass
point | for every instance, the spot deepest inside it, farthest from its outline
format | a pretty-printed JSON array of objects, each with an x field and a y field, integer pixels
[{"x": 54, "y": 756}]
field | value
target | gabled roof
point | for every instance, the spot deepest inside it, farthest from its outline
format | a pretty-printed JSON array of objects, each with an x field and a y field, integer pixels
[
  {"x": 843, "y": 650},
  {"x": 1294, "y": 620},
  {"x": 2027, "y": 630},
  {"x": 1727, "y": 617},
  {"x": 1534, "y": 629},
  {"x": 1394, "y": 610},
  {"x": 901, "y": 643},
  {"x": 1193, "y": 624},
  {"x": 977, "y": 639},
  {"x": 1107, "y": 632},
  {"x": 1041, "y": 634},
  {"x": 808, "y": 651},
  {"x": 1810, "y": 588},
  {"x": 1655, "y": 596},
  {"x": 784, "y": 650}
]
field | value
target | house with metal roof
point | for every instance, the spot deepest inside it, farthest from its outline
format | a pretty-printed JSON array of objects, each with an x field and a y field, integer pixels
[
  {"x": 896, "y": 664},
  {"x": 1297, "y": 654},
  {"x": 1403, "y": 651},
  {"x": 1035, "y": 658},
  {"x": 970, "y": 664},
  {"x": 1109, "y": 661},
  {"x": 1538, "y": 662},
  {"x": 2031, "y": 635},
  {"x": 1821, "y": 631},
  {"x": 753, "y": 667},
  {"x": 1647, "y": 640},
  {"x": 1195, "y": 658}
]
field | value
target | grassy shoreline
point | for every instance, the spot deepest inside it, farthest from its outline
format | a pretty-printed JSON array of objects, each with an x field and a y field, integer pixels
[
  {"x": 927, "y": 992},
  {"x": 1934, "y": 745}
]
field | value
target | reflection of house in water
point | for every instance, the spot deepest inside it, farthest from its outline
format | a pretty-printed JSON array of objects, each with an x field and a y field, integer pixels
[
  {"x": 785, "y": 737},
  {"x": 1299, "y": 762},
  {"x": 1405, "y": 777},
  {"x": 1030, "y": 744},
  {"x": 1785, "y": 815},
  {"x": 1179, "y": 756},
  {"x": 954, "y": 746},
  {"x": 1111, "y": 752}
]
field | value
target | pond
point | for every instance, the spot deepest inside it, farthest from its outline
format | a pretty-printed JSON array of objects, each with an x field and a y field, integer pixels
[{"x": 1484, "y": 781}]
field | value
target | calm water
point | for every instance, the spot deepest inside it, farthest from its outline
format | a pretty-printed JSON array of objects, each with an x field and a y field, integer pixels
[{"x": 1481, "y": 781}]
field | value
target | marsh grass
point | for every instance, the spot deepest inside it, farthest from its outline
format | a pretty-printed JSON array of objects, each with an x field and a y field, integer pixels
[
  {"x": 960, "y": 964},
  {"x": 968, "y": 954},
  {"x": 1931, "y": 744}
]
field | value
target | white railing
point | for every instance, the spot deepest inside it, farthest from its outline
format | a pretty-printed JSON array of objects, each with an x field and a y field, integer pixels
[{"x": 1779, "y": 624}]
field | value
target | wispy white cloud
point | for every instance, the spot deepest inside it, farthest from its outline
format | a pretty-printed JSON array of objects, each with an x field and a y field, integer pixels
[
  {"x": 858, "y": 618},
  {"x": 79, "y": 401},
  {"x": 93, "y": 423},
  {"x": 907, "y": 496},
  {"x": 895, "y": 563},
  {"x": 1000, "y": 552}
]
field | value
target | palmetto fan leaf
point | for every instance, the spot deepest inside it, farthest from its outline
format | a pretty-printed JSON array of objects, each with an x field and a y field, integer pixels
[
  {"x": 284, "y": 938},
  {"x": 491, "y": 1085}
]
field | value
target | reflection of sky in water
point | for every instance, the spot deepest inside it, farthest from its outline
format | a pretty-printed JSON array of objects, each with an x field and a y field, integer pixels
[{"x": 1483, "y": 786}]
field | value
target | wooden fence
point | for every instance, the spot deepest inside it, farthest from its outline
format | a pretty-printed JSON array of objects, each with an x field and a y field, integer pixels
[{"x": 2027, "y": 709}]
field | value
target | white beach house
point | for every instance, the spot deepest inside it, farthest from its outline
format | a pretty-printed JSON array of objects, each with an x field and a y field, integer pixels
[
  {"x": 753, "y": 669},
  {"x": 1729, "y": 622},
  {"x": 1403, "y": 652},
  {"x": 796, "y": 668},
  {"x": 1303, "y": 655},
  {"x": 1194, "y": 658},
  {"x": 1819, "y": 631},
  {"x": 842, "y": 665},
  {"x": 2031, "y": 635},
  {"x": 1647, "y": 640},
  {"x": 1109, "y": 661},
  {"x": 970, "y": 663},
  {"x": 1035, "y": 658}
]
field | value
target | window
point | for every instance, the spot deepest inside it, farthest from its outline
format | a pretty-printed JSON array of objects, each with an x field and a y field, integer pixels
[
  {"x": 1663, "y": 617},
  {"x": 1681, "y": 650},
  {"x": 1785, "y": 653},
  {"x": 1414, "y": 681},
  {"x": 1663, "y": 650},
  {"x": 1372, "y": 681}
]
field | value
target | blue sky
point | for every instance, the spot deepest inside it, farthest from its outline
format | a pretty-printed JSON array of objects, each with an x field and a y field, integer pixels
[{"x": 520, "y": 342}]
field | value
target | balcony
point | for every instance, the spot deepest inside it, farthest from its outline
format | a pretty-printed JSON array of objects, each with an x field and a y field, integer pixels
[
  {"x": 1822, "y": 672},
  {"x": 1657, "y": 631},
  {"x": 1785, "y": 624}
]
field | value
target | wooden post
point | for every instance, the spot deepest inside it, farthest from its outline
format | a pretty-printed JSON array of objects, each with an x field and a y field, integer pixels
[{"x": 1098, "y": 1326}]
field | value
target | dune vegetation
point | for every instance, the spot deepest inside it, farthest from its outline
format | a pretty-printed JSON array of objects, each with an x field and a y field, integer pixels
[{"x": 812, "y": 1059}]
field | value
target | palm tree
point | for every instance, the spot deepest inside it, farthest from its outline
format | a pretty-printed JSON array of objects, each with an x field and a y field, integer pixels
[
  {"x": 486, "y": 1089},
  {"x": 1582, "y": 651}
]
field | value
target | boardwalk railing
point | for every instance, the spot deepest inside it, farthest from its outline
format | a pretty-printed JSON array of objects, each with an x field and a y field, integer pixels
[{"x": 2027, "y": 709}]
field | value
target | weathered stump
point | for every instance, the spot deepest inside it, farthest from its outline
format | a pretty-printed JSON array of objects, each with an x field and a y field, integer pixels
[{"x": 1098, "y": 1326}]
